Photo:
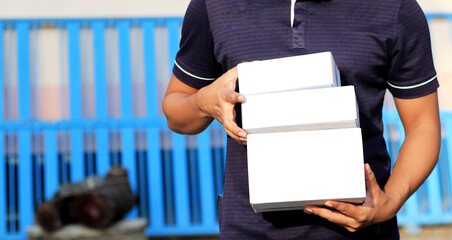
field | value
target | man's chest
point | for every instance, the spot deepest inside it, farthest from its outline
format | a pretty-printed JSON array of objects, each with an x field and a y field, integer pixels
[{"x": 249, "y": 32}]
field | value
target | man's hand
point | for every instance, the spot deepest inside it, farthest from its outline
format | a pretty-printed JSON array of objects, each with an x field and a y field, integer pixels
[
  {"x": 218, "y": 101},
  {"x": 377, "y": 207},
  {"x": 190, "y": 111}
]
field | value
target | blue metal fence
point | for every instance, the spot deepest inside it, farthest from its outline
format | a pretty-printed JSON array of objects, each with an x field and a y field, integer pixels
[{"x": 175, "y": 177}]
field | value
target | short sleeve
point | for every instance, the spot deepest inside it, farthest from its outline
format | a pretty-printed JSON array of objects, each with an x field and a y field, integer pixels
[
  {"x": 195, "y": 62},
  {"x": 412, "y": 73}
]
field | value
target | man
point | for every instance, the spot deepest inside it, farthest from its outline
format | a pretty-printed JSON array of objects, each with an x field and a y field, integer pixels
[{"x": 377, "y": 45}]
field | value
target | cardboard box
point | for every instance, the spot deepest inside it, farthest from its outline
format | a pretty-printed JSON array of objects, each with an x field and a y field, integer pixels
[
  {"x": 313, "y": 109},
  {"x": 289, "y": 73},
  {"x": 288, "y": 170}
]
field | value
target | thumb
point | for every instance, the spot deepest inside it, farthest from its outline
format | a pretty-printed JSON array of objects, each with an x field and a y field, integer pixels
[
  {"x": 232, "y": 74},
  {"x": 372, "y": 186}
]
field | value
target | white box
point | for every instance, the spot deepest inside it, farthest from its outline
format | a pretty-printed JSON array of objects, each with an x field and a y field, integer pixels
[
  {"x": 289, "y": 73},
  {"x": 288, "y": 170},
  {"x": 312, "y": 109}
]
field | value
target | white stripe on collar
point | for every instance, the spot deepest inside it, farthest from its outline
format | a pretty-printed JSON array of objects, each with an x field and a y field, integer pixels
[{"x": 292, "y": 11}]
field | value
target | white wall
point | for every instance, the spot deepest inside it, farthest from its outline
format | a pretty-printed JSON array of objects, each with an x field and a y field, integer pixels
[
  {"x": 436, "y": 5},
  {"x": 126, "y": 8},
  {"x": 91, "y": 8}
]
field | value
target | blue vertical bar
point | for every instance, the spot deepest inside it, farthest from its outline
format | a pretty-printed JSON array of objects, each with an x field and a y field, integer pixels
[
  {"x": 100, "y": 79},
  {"x": 128, "y": 160},
  {"x": 206, "y": 180},
  {"x": 24, "y": 148},
  {"x": 179, "y": 147},
  {"x": 3, "y": 180},
  {"x": 75, "y": 87},
  {"x": 181, "y": 181},
  {"x": 77, "y": 163},
  {"x": 194, "y": 184},
  {"x": 155, "y": 177},
  {"x": 156, "y": 205},
  {"x": 23, "y": 71},
  {"x": 385, "y": 128},
  {"x": 2, "y": 72},
  {"x": 25, "y": 195},
  {"x": 102, "y": 151},
  {"x": 125, "y": 71},
  {"x": 127, "y": 134},
  {"x": 11, "y": 158},
  {"x": 11, "y": 180},
  {"x": 225, "y": 144},
  {"x": 173, "y": 42},
  {"x": 447, "y": 124},
  {"x": 50, "y": 163},
  {"x": 150, "y": 69}
]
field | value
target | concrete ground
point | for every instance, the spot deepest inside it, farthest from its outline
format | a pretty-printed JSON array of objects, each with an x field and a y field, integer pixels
[{"x": 440, "y": 232}]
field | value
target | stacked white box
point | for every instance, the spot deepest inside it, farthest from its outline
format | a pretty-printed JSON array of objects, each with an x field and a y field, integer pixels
[
  {"x": 288, "y": 170},
  {"x": 304, "y": 140},
  {"x": 289, "y": 73},
  {"x": 323, "y": 108}
]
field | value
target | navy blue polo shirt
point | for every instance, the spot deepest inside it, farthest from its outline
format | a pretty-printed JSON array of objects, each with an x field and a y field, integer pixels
[{"x": 377, "y": 45}]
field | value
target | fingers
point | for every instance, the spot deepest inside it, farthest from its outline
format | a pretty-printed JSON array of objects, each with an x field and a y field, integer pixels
[
  {"x": 350, "y": 216},
  {"x": 345, "y": 208},
  {"x": 235, "y": 97},
  {"x": 224, "y": 89},
  {"x": 235, "y": 131},
  {"x": 371, "y": 180},
  {"x": 237, "y": 137},
  {"x": 336, "y": 217},
  {"x": 372, "y": 187}
]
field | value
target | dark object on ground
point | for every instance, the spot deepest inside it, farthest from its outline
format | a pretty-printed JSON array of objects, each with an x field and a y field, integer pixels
[
  {"x": 59, "y": 210},
  {"x": 95, "y": 202},
  {"x": 108, "y": 202},
  {"x": 55, "y": 213}
]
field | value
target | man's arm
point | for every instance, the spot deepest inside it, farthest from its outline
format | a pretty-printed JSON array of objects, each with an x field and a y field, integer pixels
[
  {"x": 181, "y": 108},
  {"x": 417, "y": 158},
  {"x": 190, "y": 111},
  {"x": 419, "y": 152}
]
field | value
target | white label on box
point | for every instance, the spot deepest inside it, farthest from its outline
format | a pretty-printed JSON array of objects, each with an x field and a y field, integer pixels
[
  {"x": 290, "y": 73},
  {"x": 313, "y": 109},
  {"x": 288, "y": 170}
]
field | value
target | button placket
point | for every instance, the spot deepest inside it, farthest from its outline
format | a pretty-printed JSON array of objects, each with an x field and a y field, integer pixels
[{"x": 299, "y": 24}]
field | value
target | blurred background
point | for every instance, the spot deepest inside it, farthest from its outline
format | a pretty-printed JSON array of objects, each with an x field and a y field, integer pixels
[{"x": 82, "y": 88}]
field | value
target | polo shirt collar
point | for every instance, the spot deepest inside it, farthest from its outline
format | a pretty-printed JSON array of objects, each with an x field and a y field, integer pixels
[{"x": 292, "y": 11}]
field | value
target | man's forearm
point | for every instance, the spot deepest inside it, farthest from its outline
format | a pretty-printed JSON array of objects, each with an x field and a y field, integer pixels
[
  {"x": 183, "y": 113},
  {"x": 417, "y": 158}
]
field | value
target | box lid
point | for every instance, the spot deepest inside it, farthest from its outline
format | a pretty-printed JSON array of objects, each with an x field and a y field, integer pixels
[{"x": 288, "y": 73}]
